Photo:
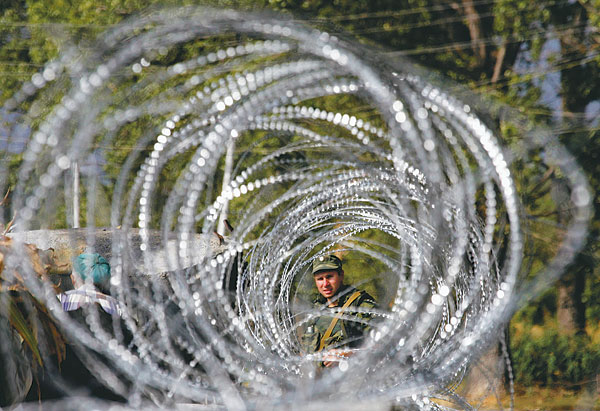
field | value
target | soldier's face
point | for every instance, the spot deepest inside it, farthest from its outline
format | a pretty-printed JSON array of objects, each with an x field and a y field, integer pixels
[{"x": 329, "y": 282}]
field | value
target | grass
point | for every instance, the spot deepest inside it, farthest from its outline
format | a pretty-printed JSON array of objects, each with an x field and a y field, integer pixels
[{"x": 541, "y": 398}]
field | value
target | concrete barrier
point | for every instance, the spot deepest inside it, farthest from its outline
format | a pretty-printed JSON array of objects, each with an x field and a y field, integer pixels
[{"x": 66, "y": 244}]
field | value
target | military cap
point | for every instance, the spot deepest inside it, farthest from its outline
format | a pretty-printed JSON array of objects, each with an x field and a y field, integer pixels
[{"x": 326, "y": 263}]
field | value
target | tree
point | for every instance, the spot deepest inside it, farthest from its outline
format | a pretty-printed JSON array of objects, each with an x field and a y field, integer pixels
[
  {"x": 479, "y": 43},
  {"x": 576, "y": 95}
]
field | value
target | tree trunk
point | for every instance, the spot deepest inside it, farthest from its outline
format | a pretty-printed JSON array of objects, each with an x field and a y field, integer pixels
[
  {"x": 570, "y": 308},
  {"x": 499, "y": 62},
  {"x": 475, "y": 31},
  {"x": 570, "y": 305}
]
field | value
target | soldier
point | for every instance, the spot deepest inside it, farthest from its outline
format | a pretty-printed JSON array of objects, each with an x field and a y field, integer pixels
[{"x": 334, "y": 331}]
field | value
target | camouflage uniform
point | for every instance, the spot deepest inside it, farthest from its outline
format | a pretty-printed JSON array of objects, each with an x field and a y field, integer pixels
[{"x": 346, "y": 333}]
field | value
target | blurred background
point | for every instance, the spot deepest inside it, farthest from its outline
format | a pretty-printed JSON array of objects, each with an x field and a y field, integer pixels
[{"x": 540, "y": 58}]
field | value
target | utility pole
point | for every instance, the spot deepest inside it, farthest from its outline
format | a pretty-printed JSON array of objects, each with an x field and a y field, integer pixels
[
  {"x": 226, "y": 181},
  {"x": 75, "y": 168}
]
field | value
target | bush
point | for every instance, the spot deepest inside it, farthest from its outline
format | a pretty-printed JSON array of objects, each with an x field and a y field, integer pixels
[{"x": 554, "y": 359}]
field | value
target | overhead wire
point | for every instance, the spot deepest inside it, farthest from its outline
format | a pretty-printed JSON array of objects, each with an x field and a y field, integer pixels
[
  {"x": 444, "y": 20},
  {"x": 341, "y": 17},
  {"x": 414, "y": 52},
  {"x": 483, "y": 85},
  {"x": 485, "y": 40},
  {"x": 559, "y": 65},
  {"x": 450, "y": 5}
]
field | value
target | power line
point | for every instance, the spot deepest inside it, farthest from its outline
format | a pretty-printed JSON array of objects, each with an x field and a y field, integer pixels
[
  {"x": 482, "y": 85},
  {"x": 440, "y": 7},
  {"x": 428, "y": 23},
  {"x": 5, "y": 23},
  {"x": 485, "y": 40},
  {"x": 406, "y": 12},
  {"x": 524, "y": 77},
  {"x": 23, "y": 74},
  {"x": 450, "y": 5},
  {"x": 427, "y": 50}
]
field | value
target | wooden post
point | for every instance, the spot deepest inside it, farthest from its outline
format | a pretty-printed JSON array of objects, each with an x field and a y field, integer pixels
[
  {"x": 226, "y": 181},
  {"x": 75, "y": 168}
]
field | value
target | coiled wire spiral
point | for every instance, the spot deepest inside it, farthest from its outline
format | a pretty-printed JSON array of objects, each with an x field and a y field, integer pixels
[{"x": 339, "y": 149}]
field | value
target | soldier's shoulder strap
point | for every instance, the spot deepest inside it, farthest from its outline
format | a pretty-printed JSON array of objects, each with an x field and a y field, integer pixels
[{"x": 336, "y": 318}]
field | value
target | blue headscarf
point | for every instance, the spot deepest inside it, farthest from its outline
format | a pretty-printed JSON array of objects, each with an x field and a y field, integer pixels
[{"x": 94, "y": 266}]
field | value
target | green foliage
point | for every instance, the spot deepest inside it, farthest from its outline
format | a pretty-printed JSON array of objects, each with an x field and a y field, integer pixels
[
  {"x": 540, "y": 311},
  {"x": 515, "y": 19},
  {"x": 19, "y": 323},
  {"x": 436, "y": 34},
  {"x": 590, "y": 298},
  {"x": 592, "y": 7},
  {"x": 554, "y": 359}
]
